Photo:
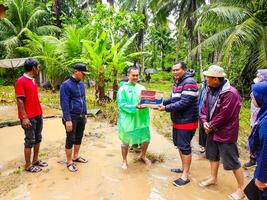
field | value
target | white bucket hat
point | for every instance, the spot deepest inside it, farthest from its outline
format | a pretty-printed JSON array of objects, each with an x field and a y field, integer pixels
[{"x": 215, "y": 71}]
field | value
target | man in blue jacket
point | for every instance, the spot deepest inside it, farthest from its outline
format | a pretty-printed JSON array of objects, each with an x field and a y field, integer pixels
[
  {"x": 183, "y": 106},
  {"x": 73, "y": 104}
]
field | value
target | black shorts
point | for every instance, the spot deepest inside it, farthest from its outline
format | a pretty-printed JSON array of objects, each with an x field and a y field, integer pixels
[
  {"x": 228, "y": 153},
  {"x": 33, "y": 134},
  {"x": 76, "y": 135},
  {"x": 182, "y": 140}
]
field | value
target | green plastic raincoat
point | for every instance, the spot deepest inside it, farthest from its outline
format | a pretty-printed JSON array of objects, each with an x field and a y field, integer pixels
[{"x": 133, "y": 123}]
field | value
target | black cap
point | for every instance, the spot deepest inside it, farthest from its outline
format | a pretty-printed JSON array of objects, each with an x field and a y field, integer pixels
[{"x": 81, "y": 67}]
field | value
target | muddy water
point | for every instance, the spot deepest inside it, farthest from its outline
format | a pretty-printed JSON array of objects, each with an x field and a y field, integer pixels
[
  {"x": 102, "y": 178},
  {"x": 9, "y": 112}
]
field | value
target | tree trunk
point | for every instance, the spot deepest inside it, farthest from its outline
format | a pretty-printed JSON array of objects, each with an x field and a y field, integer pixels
[
  {"x": 100, "y": 86},
  {"x": 200, "y": 56},
  {"x": 57, "y": 12},
  {"x": 115, "y": 84},
  {"x": 190, "y": 25},
  {"x": 162, "y": 61},
  {"x": 215, "y": 56}
]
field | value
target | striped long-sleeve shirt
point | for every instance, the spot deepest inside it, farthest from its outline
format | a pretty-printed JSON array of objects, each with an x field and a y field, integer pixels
[{"x": 183, "y": 103}]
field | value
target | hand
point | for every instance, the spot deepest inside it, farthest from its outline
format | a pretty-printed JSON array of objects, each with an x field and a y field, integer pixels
[
  {"x": 26, "y": 123},
  {"x": 140, "y": 106},
  {"x": 68, "y": 126},
  {"x": 260, "y": 185},
  {"x": 161, "y": 107},
  {"x": 207, "y": 127}
]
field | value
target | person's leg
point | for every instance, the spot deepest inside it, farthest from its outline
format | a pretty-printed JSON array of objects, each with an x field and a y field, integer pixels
[
  {"x": 29, "y": 140},
  {"x": 124, "y": 153},
  {"x": 143, "y": 157},
  {"x": 36, "y": 148},
  {"x": 230, "y": 155},
  {"x": 239, "y": 176},
  {"x": 78, "y": 137},
  {"x": 212, "y": 154},
  {"x": 186, "y": 162},
  {"x": 70, "y": 139},
  {"x": 184, "y": 138},
  {"x": 27, "y": 156}
]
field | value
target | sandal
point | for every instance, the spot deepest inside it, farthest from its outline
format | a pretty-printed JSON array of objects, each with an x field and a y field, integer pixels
[
  {"x": 180, "y": 182},
  {"x": 80, "y": 160},
  {"x": 40, "y": 163},
  {"x": 236, "y": 196},
  {"x": 33, "y": 169},
  {"x": 72, "y": 167},
  {"x": 206, "y": 183},
  {"x": 177, "y": 170}
]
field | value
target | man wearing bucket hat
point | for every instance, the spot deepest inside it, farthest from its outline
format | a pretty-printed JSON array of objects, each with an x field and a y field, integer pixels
[{"x": 220, "y": 118}]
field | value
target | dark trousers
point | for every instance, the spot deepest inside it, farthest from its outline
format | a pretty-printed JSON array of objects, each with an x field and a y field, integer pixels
[
  {"x": 76, "y": 135},
  {"x": 253, "y": 193}
]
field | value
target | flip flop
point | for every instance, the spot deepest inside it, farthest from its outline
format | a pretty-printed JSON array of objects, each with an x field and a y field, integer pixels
[
  {"x": 40, "y": 163},
  {"x": 235, "y": 196},
  {"x": 33, "y": 169},
  {"x": 180, "y": 182},
  {"x": 206, "y": 183},
  {"x": 177, "y": 170},
  {"x": 72, "y": 167},
  {"x": 80, "y": 160}
]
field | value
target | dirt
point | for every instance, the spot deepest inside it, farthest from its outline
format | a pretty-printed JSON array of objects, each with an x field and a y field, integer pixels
[{"x": 102, "y": 177}]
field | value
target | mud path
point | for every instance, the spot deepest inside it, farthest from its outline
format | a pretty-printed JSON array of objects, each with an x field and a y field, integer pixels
[{"x": 101, "y": 178}]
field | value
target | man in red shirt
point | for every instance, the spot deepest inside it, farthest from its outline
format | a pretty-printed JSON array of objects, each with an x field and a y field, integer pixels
[{"x": 30, "y": 114}]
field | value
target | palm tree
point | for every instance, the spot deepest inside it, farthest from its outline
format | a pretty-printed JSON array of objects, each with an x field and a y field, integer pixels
[
  {"x": 140, "y": 6},
  {"x": 22, "y": 17},
  {"x": 243, "y": 24},
  {"x": 47, "y": 49},
  {"x": 184, "y": 11}
]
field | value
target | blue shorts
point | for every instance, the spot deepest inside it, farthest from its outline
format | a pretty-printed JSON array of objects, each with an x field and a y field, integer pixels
[{"x": 182, "y": 140}]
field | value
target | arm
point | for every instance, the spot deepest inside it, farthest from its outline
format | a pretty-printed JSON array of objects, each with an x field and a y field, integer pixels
[
  {"x": 20, "y": 96},
  {"x": 25, "y": 120},
  {"x": 229, "y": 104},
  {"x": 167, "y": 101},
  {"x": 188, "y": 97},
  {"x": 65, "y": 102},
  {"x": 123, "y": 103}
]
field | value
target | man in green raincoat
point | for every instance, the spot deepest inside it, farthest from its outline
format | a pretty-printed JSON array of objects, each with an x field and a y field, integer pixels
[{"x": 133, "y": 123}]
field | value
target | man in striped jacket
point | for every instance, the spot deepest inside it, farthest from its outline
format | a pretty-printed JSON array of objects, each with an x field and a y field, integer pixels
[{"x": 183, "y": 107}]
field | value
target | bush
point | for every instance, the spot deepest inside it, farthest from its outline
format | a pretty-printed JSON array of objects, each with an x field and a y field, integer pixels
[{"x": 161, "y": 76}]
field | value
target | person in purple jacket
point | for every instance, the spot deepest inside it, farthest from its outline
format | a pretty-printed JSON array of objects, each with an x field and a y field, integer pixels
[
  {"x": 257, "y": 188},
  {"x": 220, "y": 118}
]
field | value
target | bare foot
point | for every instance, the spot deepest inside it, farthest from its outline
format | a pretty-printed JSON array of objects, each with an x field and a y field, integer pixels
[
  {"x": 145, "y": 160},
  {"x": 208, "y": 182},
  {"x": 124, "y": 165}
]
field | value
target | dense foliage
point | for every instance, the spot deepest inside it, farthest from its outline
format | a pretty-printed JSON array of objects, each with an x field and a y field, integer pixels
[{"x": 109, "y": 37}]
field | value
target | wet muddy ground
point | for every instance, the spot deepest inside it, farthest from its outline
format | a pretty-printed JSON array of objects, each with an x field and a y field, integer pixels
[{"x": 102, "y": 177}]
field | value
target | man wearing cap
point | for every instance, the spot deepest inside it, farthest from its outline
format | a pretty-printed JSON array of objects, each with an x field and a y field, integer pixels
[
  {"x": 220, "y": 118},
  {"x": 30, "y": 114},
  {"x": 73, "y": 104}
]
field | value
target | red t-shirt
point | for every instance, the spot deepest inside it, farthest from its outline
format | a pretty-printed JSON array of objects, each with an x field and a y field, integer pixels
[{"x": 26, "y": 87}]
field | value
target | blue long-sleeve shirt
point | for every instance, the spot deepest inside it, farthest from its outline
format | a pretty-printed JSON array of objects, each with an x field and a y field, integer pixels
[{"x": 72, "y": 98}]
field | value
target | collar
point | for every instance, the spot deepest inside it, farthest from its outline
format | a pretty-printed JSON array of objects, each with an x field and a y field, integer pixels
[
  {"x": 28, "y": 77},
  {"x": 74, "y": 79}
]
